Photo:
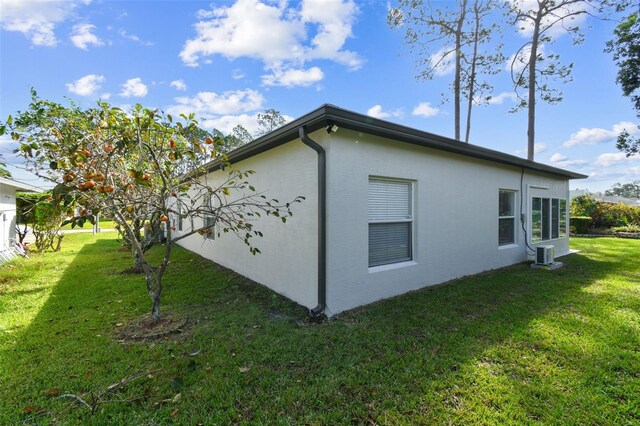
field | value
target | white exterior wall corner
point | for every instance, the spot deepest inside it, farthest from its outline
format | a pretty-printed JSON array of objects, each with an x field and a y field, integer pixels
[
  {"x": 289, "y": 252},
  {"x": 7, "y": 214},
  {"x": 455, "y": 216}
]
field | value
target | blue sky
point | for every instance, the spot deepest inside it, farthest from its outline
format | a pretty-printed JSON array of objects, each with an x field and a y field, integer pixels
[{"x": 227, "y": 61}]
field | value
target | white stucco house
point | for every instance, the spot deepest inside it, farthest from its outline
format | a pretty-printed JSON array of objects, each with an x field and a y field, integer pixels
[
  {"x": 388, "y": 209},
  {"x": 8, "y": 189}
]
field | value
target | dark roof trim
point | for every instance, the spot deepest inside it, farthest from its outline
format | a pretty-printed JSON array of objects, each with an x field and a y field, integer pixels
[{"x": 326, "y": 114}]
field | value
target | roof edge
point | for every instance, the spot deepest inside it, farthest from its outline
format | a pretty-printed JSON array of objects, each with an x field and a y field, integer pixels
[
  {"x": 328, "y": 113},
  {"x": 20, "y": 186}
]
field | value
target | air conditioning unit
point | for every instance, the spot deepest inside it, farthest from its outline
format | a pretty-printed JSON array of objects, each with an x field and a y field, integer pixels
[{"x": 544, "y": 255}]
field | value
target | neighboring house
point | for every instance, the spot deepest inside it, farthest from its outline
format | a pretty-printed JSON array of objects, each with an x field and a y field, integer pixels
[
  {"x": 614, "y": 199},
  {"x": 8, "y": 189},
  {"x": 388, "y": 209}
]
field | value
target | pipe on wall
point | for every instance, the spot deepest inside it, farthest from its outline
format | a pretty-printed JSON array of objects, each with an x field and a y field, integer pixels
[{"x": 322, "y": 221}]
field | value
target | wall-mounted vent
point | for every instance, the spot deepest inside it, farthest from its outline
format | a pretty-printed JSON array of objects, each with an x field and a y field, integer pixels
[{"x": 544, "y": 255}]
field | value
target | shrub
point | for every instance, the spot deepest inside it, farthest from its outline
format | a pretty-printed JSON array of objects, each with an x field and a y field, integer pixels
[
  {"x": 48, "y": 217},
  {"x": 628, "y": 228},
  {"x": 605, "y": 215},
  {"x": 583, "y": 205},
  {"x": 580, "y": 224}
]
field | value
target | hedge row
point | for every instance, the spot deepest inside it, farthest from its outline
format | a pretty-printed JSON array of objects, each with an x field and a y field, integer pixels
[
  {"x": 603, "y": 215},
  {"x": 580, "y": 224}
]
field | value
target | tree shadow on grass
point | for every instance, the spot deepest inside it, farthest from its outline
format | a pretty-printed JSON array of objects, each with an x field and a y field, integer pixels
[{"x": 501, "y": 346}]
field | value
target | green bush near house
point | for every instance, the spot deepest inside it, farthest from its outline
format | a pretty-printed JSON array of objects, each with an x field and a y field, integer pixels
[
  {"x": 629, "y": 228},
  {"x": 580, "y": 224},
  {"x": 603, "y": 214}
]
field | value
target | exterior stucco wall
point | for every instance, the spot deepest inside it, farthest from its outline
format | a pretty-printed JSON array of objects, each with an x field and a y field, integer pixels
[
  {"x": 455, "y": 228},
  {"x": 7, "y": 214},
  {"x": 288, "y": 259}
]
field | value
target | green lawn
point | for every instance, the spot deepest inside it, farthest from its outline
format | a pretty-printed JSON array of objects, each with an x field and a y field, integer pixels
[
  {"x": 508, "y": 346},
  {"x": 104, "y": 224}
]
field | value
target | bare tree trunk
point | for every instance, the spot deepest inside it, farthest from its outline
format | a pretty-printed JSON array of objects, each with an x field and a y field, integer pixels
[
  {"x": 22, "y": 233},
  {"x": 154, "y": 288},
  {"x": 531, "y": 101},
  {"x": 472, "y": 77},
  {"x": 153, "y": 277},
  {"x": 58, "y": 243},
  {"x": 458, "y": 70}
]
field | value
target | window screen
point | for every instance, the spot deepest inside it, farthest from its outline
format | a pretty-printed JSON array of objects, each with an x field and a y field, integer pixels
[
  {"x": 506, "y": 218},
  {"x": 390, "y": 221}
]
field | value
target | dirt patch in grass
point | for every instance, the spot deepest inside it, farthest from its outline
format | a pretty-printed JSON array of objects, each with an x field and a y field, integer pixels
[{"x": 146, "y": 329}]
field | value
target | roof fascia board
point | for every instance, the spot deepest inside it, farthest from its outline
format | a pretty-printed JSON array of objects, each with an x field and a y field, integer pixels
[
  {"x": 320, "y": 117},
  {"x": 389, "y": 130}
]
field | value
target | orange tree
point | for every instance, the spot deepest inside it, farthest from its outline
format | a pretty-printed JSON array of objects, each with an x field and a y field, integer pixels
[{"x": 145, "y": 170}]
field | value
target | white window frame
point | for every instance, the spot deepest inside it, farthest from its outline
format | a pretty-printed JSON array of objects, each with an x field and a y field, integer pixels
[
  {"x": 409, "y": 220},
  {"x": 560, "y": 230},
  {"x": 212, "y": 227},
  {"x": 512, "y": 216}
]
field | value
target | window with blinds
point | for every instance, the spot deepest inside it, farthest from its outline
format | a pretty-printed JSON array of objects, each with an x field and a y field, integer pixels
[
  {"x": 390, "y": 221},
  {"x": 506, "y": 217}
]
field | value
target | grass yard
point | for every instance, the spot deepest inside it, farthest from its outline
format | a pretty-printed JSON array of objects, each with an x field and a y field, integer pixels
[
  {"x": 104, "y": 224},
  {"x": 507, "y": 346}
]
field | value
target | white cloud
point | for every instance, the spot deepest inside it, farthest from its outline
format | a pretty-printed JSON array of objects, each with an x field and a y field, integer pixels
[
  {"x": 133, "y": 37},
  {"x": 376, "y": 111},
  {"x": 612, "y": 158},
  {"x": 560, "y": 160},
  {"x": 134, "y": 87},
  {"x": 596, "y": 135},
  {"x": 178, "y": 84},
  {"x": 614, "y": 174},
  {"x": 501, "y": 98},
  {"x": 442, "y": 62},
  {"x": 539, "y": 147},
  {"x": 87, "y": 85},
  {"x": 237, "y": 74},
  {"x": 35, "y": 19},
  {"x": 226, "y": 123},
  {"x": 223, "y": 111},
  {"x": 578, "y": 164},
  {"x": 208, "y": 104},
  {"x": 293, "y": 77},
  {"x": 82, "y": 36},
  {"x": 525, "y": 27},
  {"x": 334, "y": 20},
  {"x": 424, "y": 109},
  {"x": 519, "y": 60},
  {"x": 277, "y": 35}
]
